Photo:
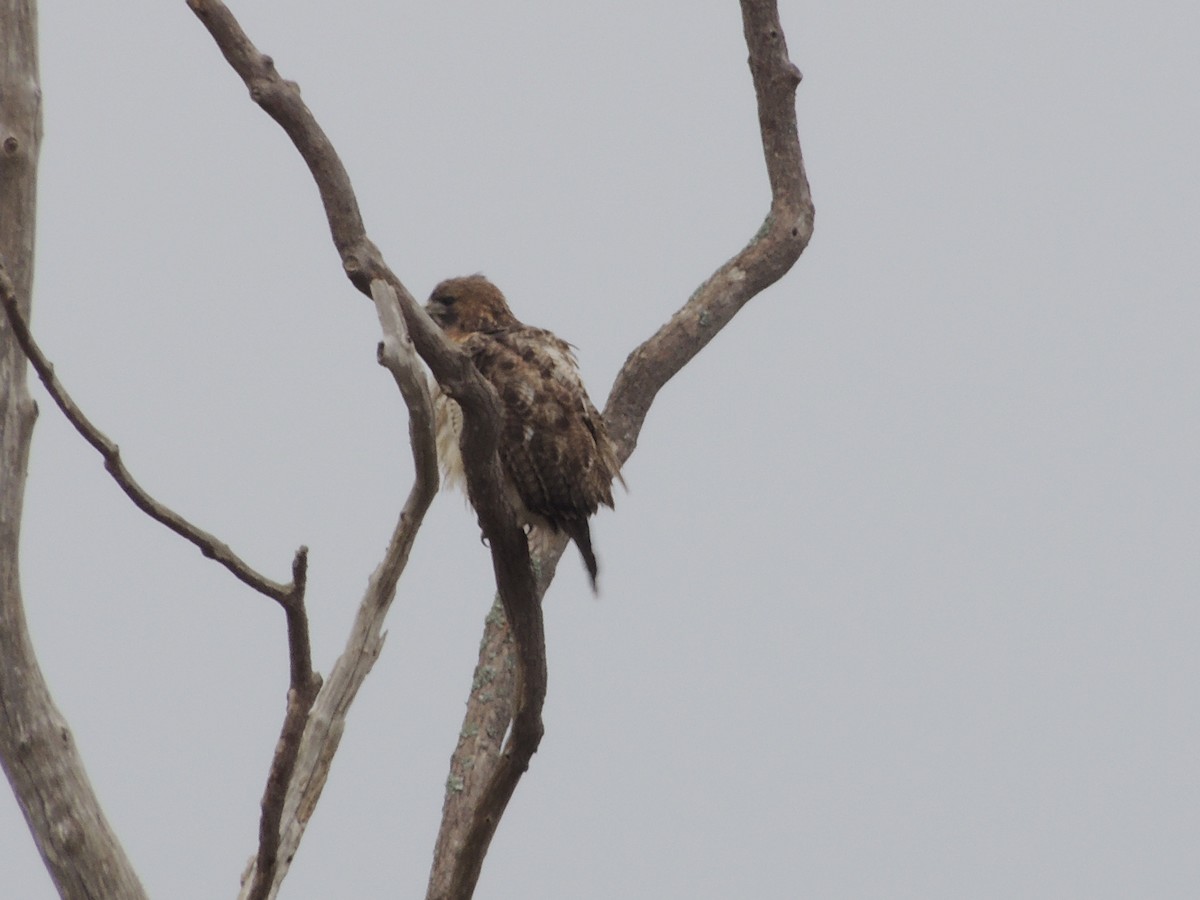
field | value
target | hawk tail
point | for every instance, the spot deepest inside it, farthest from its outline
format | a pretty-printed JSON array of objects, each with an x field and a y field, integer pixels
[{"x": 579, "y": 532}]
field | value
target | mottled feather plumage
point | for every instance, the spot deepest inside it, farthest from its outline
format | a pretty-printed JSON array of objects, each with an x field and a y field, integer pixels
[{"x": 556, "y": 454}]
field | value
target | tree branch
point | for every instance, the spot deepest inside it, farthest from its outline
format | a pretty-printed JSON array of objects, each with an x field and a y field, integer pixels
[
  {"x": 361, "y": 259},
  {"x": 302, "y": 691},
  {"x": 473, "y": 782},
  {"x": 763, "y": 261},
  {"x": 208, "y": 544}
]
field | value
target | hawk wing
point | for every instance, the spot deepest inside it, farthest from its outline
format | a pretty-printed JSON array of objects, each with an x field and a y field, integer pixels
[{"x": 553, "y": 443}]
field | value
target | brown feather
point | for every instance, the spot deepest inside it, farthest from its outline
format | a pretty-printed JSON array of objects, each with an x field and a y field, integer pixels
[{"x": 554, "y": 448}]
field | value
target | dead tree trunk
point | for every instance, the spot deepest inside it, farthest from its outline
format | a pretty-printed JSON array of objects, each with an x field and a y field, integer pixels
[{"x": 36, "y": 749}]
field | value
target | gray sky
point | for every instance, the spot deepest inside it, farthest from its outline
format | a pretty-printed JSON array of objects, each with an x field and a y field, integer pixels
[{"x": 902, "y": 600}]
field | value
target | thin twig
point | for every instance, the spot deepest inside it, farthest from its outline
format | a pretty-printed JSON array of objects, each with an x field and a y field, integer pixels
[{"x": 208, "y": 544}]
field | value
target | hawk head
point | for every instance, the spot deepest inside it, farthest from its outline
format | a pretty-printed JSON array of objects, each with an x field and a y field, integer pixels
[{"x": 464, "y": 306}]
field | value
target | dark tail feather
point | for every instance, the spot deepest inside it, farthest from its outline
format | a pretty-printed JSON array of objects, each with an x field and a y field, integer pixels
[{"x": 582, "y": 536}]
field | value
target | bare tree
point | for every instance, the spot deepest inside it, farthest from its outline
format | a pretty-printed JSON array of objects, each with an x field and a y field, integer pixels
[{"x": 503, "y": 725}]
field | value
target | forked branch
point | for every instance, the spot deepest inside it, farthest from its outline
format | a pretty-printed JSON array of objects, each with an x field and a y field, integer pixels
[{"x": 304, "y": 682}]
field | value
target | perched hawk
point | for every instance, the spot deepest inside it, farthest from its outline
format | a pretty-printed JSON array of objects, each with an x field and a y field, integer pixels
[{"x": 558, "y": 460}]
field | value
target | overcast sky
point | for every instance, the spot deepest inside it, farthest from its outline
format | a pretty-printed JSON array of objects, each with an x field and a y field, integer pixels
[{"x": 902, "y": 600}]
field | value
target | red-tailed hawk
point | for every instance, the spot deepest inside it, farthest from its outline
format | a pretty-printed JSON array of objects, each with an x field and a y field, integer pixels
[{"x": 558, "y": 460}]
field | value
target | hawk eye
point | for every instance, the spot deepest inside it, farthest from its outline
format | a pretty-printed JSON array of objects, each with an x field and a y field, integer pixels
[{"x": 447, "y": 300}]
